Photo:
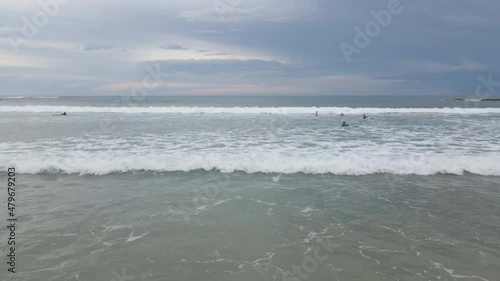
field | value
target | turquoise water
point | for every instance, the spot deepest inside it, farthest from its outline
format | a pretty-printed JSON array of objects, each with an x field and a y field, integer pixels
[{"x": 251, "y": 188}]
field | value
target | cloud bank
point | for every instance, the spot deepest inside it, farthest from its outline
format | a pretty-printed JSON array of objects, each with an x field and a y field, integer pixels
[{"x": 243, "y": 47}]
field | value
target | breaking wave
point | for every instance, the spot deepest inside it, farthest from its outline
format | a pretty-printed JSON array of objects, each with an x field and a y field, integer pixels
[
  {"x": 25, "y": 97},
  {"x": 246, "y": 110},
  {"x": 258, "y": 162}
]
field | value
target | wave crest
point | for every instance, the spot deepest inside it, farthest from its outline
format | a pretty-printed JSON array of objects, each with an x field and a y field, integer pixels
[
  {"x": 346, "y": 164},
  {"x": 246, "y": 110}
]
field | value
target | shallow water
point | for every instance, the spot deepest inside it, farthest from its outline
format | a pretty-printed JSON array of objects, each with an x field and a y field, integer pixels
[{"x": 213, "y": 226}]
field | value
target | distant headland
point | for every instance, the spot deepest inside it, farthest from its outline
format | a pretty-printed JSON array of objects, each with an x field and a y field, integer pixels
[{"x": 478, "y": 100}]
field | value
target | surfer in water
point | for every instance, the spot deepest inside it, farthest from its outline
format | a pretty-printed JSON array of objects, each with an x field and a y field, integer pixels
[
  {"x": 365, "y": 117},
  {"x": 64, "y": 113},
  {"x": 344, "y": 124},
  {"x": 316, "y": 114},
  {"x": 342, "y": 114}
]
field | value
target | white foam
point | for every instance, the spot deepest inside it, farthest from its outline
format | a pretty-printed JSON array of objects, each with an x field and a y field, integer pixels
[
  {"x": 457, "y": 276},
  {"x": 245, "y": 110},
  {"x": 132, "y": 238},
  {"x": 24, "y": 97},
  {"x": 266, "y": 162}
]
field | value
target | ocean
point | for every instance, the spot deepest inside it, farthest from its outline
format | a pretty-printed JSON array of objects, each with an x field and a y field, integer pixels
[{"x": 252, "y": 188}]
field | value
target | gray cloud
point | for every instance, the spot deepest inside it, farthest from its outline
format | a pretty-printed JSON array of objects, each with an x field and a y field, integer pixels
[
  {"x": 96, "y": 47},
  {"x": 436, "y": 47},
  {"x": 173, "y": 47},
  {"x": 218, "y": 66},
  {"x": 6, "y": 31},
  {"x": 218, "y": 54}
]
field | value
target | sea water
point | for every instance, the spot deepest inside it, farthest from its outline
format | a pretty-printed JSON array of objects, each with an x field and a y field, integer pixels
[{"x": 253, "y": 188}]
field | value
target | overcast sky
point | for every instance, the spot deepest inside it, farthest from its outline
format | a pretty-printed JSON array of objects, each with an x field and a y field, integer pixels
[{"x": 236, "y": 47}]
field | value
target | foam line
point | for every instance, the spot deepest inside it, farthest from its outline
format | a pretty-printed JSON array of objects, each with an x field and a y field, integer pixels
[{"x": 246, "y": 110}]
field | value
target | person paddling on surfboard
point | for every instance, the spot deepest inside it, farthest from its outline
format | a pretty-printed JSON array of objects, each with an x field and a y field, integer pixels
[{"x": 344, "y": 124}]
